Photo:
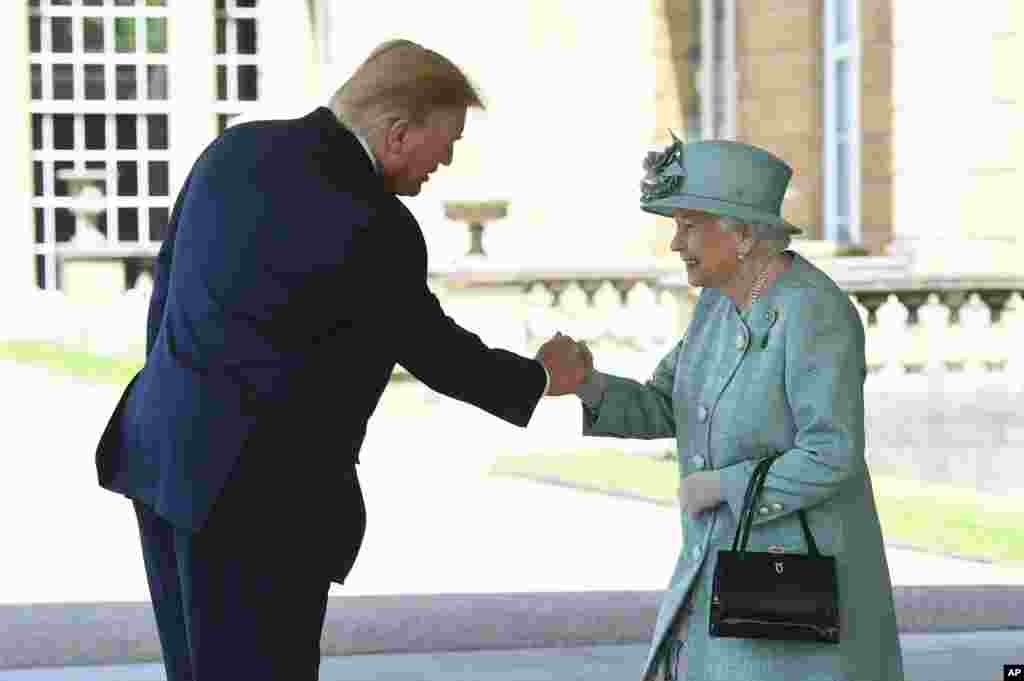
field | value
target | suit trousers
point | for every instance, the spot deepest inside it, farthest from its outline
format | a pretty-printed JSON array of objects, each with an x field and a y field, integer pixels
[{"x": 245, "y": 597}]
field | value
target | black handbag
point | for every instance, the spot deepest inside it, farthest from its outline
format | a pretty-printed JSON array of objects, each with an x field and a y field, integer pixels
[{"x": 786, "y": 596}]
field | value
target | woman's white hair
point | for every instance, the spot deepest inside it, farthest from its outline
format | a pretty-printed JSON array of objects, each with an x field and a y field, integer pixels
[{"x": 769, "y": 239}]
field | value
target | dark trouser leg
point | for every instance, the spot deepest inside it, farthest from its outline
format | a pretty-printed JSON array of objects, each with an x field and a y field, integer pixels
[
  {"x": 258, "y": 573},
  {"x": 157, "y": 537},
  {"x": 252, "y": 615},
  {"x": 245, "y": 597}
]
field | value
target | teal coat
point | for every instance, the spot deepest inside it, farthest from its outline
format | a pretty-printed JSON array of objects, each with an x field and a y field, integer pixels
[{"x": 789, "y": 378}]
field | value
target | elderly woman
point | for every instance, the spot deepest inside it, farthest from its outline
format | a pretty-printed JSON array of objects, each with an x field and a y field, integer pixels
[{"x": 772, "y": 362}]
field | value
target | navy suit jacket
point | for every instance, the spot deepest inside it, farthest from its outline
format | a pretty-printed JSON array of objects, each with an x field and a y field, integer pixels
[{"x": 289, "y": 285}]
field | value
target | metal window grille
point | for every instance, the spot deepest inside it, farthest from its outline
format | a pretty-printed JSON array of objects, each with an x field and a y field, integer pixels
[
  {"x": 100, "y": 79},
  {"x": 842, "y": 121},
  {"x": 236, "y": 60}
]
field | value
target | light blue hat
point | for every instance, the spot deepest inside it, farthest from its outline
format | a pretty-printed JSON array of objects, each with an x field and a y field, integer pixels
[{"x": 725, "y": 178}]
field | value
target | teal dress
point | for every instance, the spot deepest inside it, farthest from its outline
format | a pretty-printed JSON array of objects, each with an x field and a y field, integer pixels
[{"x": 787, "y": 377}]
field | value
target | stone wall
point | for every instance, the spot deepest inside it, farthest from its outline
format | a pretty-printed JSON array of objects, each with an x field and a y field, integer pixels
[
  {"x": 16, "y": 274},
  {"x": 672, "y": 40},
  {"x": 778, "y": 56},
  {"x": 779, "y": 59}
]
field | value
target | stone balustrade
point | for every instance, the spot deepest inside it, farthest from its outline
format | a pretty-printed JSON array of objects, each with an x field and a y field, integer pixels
[
  {"x": 636, "y": 307},
  {"x": 911, "y": 322}
]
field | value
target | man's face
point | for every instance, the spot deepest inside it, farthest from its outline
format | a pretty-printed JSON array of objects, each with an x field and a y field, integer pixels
[{"x": 418, "y": 151}]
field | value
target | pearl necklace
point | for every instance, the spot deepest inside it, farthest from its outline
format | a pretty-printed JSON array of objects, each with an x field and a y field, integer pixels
[{"x": 760, "y": 283}]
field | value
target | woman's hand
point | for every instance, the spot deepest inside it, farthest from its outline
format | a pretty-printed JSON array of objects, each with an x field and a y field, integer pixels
[{"x": 700, "y": 491}]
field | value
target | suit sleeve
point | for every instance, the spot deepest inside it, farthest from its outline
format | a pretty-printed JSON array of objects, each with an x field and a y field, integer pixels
[
  {"x": 456, "y": 362},
  {"x": 641, "y": 411},
  {"x": 164, "y": 260},
  {"x": 824, "y": 376}
]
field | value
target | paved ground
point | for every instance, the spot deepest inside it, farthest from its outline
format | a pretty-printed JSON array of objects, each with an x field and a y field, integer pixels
[
  {"x": 971, "y": 656},
  {"x": 426, "y": 494},
  {"x": 65, "y": 540}
]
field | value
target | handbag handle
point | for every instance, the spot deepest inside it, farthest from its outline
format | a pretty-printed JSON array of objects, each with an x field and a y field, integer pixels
[
  {"x": 754, "y": 488},
  {"x": 746, "y": 512}
]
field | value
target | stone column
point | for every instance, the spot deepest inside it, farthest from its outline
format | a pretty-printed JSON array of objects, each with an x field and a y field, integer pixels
[
  {"x": 16, "y": 260},
  {"x": 876, "y": 121},
  {"x": 290, "y": 83},
  {"x": 958, "y": 162},
  {"x": 995, "y": 167},
  {"x": 672, "y": 41},
  {"x": 580, "y": 171},
  {"x": 193, "y": 124}
]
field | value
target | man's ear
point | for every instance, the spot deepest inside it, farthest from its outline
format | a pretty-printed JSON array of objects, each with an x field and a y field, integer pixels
[{"x": 395, "y": 136}]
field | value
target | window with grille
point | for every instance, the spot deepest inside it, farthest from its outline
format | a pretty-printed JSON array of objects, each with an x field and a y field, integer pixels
[
  {"x": 100, "y": 79},
  {"x": 842, "y": 121},
  {"x": 237, "y": 58}
]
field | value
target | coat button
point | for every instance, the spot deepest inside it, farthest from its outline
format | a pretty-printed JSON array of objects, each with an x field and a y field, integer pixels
[
  {"x": 741, "y": 341},
  {"x": 696, "y": 552},
  {"x": 776, "y": 507},
  {"x": 698, "y": 461},
  {"x": 763, "y": 510},
  {"x": 702, "y": 414}
]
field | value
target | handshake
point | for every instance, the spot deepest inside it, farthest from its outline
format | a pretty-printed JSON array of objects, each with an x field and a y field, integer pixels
[{"x": 569, "y": 362}]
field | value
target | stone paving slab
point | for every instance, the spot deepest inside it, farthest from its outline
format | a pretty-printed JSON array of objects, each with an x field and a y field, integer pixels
[
  {"x": 966, "y": 656},
  {"x": 117, "y": 633}
]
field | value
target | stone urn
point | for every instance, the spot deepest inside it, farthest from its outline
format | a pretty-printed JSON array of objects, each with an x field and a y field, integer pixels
[
  {"x": 476, "y": 214},
  {"x": 88, "y": 203}
]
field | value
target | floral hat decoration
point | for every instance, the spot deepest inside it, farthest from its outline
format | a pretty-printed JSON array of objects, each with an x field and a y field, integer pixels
[{"x": 721, "y": 177}]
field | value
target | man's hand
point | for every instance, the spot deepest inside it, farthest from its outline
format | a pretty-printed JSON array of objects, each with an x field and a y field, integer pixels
[
  {"x": 700, "y": 491},
  {"x": 564, "y": 361},
  {"x": 588, "y": 360}
]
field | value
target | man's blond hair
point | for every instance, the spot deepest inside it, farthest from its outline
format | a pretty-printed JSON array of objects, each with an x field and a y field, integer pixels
[{"x": 401, "y": 80}]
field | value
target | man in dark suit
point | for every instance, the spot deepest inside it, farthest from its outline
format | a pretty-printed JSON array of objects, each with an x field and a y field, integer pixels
[{"x": 291, "y": 282}]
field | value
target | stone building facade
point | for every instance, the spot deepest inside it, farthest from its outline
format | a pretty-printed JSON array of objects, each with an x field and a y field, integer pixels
[{"x": 902, "y": 120}]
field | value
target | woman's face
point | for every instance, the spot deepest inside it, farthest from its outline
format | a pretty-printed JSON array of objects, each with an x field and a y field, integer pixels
[{"x": 708, "y": 251}]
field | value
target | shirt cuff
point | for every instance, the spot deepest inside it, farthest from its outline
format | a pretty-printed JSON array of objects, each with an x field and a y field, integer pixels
[
  {"x": 591, "y": 391},
  {"x": 547, "y": 379}
]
